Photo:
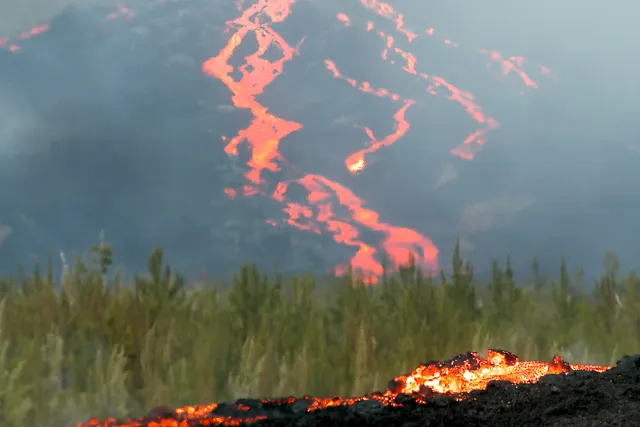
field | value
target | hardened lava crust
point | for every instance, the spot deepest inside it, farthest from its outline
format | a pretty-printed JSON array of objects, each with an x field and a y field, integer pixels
[
  {"x": 499, "y": 390},
  {"x": 579, "y": 398}
]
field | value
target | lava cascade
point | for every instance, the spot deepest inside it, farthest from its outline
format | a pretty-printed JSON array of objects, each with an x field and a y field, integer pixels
[
  {"x": 456, "y": 377},
  {"x": 265, "y": 133},
  {"x": 330, "y": 206}
]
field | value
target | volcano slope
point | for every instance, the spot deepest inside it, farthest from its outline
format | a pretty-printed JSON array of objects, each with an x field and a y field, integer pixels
[
  {"x": 468, "y": 390},
  {"x": 142, "y": 128}
]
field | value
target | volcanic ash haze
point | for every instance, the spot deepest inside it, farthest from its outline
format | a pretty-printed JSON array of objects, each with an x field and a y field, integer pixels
[
  {"x": 311, "y": 134},
  {"x": 17, "y": 17}
]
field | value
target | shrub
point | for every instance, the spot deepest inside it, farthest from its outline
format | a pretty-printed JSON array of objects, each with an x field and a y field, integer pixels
[{"x": 88, "y": 346}]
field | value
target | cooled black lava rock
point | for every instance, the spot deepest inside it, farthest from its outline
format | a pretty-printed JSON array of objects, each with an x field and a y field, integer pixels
[{"x": 580, "y": 398}]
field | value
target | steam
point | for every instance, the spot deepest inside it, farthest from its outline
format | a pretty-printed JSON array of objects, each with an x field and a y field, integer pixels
[
  {"x": 483, "y": 216},
  {"x": 449, "y": 173},
  {"x": 16, "y": 125},
  {"x": 21, "y": 16},
  {"x": 5, "y": 232}
]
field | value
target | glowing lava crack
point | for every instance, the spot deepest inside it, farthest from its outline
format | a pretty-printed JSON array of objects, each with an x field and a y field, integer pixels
[{"x": 455, "y": 378}]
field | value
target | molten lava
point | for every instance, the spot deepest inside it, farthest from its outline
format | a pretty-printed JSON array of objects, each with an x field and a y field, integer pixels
[
  {"x": 122, "y": 12},
  {"x": 266, "y": 132},
  {"x": 457, "y": 377},
  {"x": 330, "y": 206},
  {"x": 13, "y": 47},
  {"x": 471, "y": 372}
]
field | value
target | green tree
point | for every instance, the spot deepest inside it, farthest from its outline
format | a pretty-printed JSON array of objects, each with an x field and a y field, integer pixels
[
  {"x": 566, "y": 306},
  {"x": 102, "y": 256}
]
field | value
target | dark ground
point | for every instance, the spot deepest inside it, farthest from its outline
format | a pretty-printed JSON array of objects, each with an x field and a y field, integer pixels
[
  {"x": 576, "y": 399},
  {"x": 580, "y": 398}
]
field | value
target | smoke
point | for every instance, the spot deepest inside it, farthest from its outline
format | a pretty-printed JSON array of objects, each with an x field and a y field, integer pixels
[
  {"x": 18, "y": 17},
  {"x": 110, "y": 124},
  {"x": 564, "y": 145}
]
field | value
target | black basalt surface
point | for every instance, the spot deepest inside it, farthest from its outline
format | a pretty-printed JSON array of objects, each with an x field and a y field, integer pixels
[{"x": 579, "y": 398}]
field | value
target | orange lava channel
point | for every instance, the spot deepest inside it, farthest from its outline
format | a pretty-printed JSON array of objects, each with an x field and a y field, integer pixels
[
  {"x": 329, "y": 205},
  {"x": 474, "y": 141},
  {"x": 266, "y": 131},
  {"x": 13, "y": 47}
]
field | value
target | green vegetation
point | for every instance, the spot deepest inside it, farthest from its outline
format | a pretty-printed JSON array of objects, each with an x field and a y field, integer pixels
[{"x": 90, "y": 345}]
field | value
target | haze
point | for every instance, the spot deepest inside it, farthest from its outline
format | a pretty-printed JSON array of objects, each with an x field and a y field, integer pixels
[{"x": 111, "y": 125}]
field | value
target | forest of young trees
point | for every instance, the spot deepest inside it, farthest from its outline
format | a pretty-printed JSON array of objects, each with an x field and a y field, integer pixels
[{"x": 91, "y": 344}]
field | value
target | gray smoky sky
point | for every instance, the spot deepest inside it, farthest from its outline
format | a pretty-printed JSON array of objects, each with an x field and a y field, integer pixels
[{"x": 110, "y": 125}]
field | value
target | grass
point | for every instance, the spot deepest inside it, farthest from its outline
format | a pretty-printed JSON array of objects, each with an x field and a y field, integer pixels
[{"x": 88, "y": 345}]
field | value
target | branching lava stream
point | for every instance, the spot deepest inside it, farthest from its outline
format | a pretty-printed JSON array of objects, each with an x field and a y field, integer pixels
[
  {"x": 327, "y": 200},
  {"x": 331, "y": 207}
]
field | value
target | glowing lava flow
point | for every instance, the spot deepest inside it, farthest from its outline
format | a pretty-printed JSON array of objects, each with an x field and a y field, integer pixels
[
  {"x": 399, "y": 244},
  {"x": 457, "y": 377},
  {"x": 13, "y": 47},
  {"x": 476, "y": 139},
  {"x": 472, "y": 144},
  {"x": 356, "y": 162},
  {"x": 470, "y": 372},
  {"x": 267, "y": 131},
  {"x": 122, "y": 12}
]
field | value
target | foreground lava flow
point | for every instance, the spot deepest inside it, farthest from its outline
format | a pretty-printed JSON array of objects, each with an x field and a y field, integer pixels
[{"x": 458, "y": 377}]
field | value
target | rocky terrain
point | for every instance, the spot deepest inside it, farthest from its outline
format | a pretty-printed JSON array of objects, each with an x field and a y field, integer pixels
[{"x": 577, "y": 399}]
